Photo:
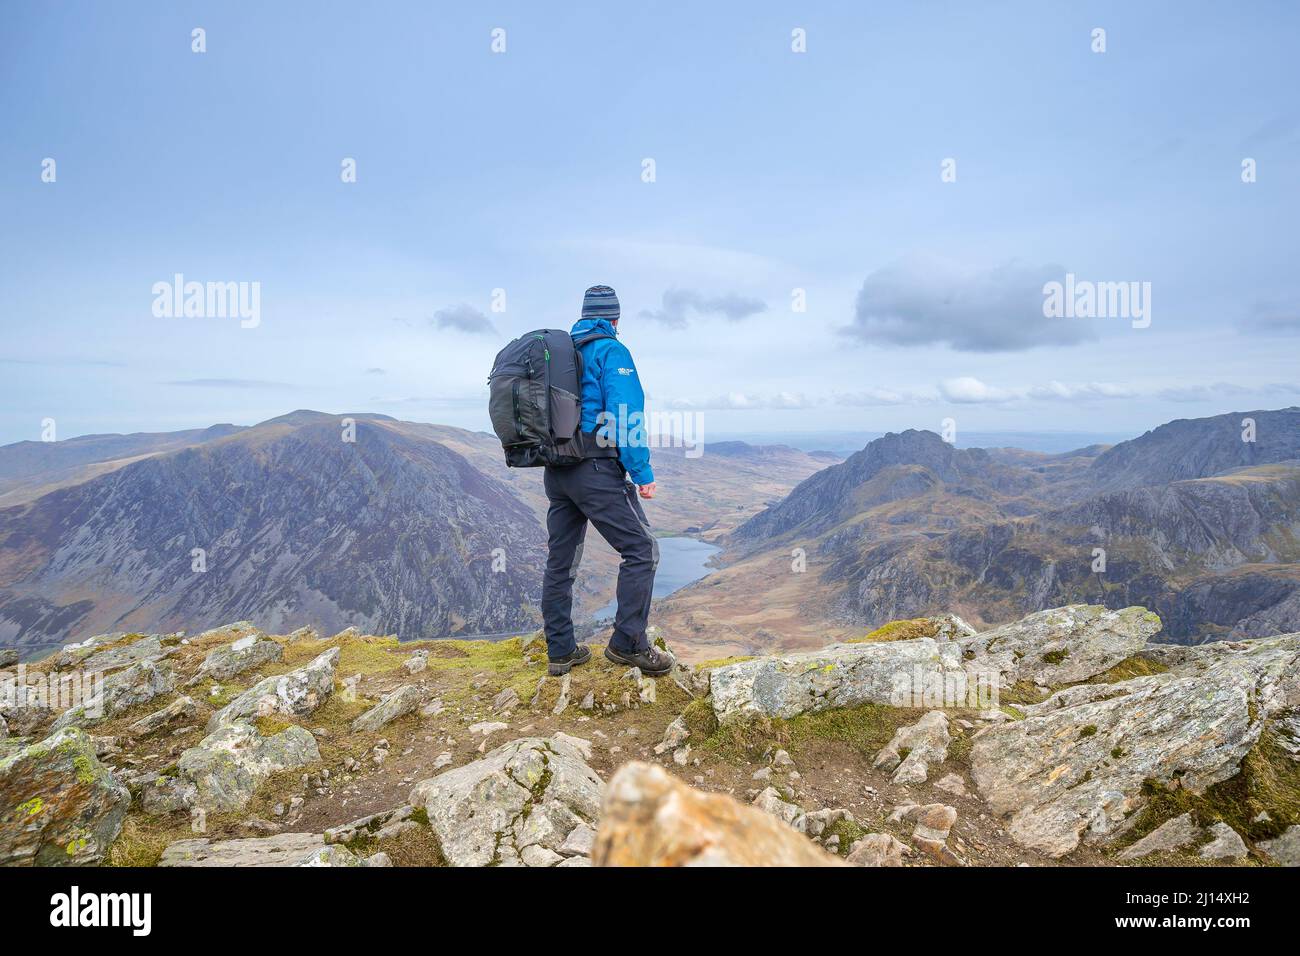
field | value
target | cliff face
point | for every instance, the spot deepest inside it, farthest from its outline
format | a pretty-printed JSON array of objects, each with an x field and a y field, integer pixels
[{"x": 392, "y": 532}]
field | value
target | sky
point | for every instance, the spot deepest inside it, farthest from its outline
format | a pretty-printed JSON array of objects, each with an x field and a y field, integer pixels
[{"x": 857, "y": 236}]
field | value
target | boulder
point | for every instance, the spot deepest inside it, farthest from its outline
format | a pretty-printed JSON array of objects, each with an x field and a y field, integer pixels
[
  {"x": 950, "y": 627},
  {"x": 298, "y": 692},
  {"x": 878, "y": 849},
  {"x": 137, "y": 684},
  {"x": 531, "y": 792},
  {"x": 59, "y": 805},
  {"x": 1225, "y": 844},
  {"x": 224, "y": 770},
  {"x": 73, "y": 654},
  {"x": 229, "y": 632},
  {"x": 1062, "y": 645},
  {"x": 399, "y": 703},
  {"x": 335, "y": 855},
  {"x": 23, "y": 707},
  {"x": 1283, "y": 850},
  {"x": 841, "y": 675},
  {"x": 925, "y": 741},
  {"x": 179, "y": 709},
  {"x": 1172, "y": 835},
  {"x": 370, "y": 825},
  {"x": 148, "y": 648},
  {"x": 8, "y": 656},
  {"x": 653, "y": 819},
  {"x": 1076, "y": 764},
  {"x": 772, "y": 803},
  {"x": 952, "y": 783},
  {"x": 674, "y": 735},
  {"x": 233, "y": 659},
  {"x": 284, "y": 849}
]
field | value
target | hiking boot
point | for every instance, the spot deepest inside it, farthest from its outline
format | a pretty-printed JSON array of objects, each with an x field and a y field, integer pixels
[
  {"x": 653, "y": 662},
  {"x": 559, "y": 666}
]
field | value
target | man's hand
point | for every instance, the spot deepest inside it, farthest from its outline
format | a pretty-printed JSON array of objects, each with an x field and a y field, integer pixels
[{"x": 646, "y": 491}]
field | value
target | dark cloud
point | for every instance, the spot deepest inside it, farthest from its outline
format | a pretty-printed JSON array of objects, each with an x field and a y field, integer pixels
[
  {"x": 934, "y": 303},
  {"x": 1273, "y": 317},
  {"x": 464, "y": 318},
  {"x": 680, "y": 304}
]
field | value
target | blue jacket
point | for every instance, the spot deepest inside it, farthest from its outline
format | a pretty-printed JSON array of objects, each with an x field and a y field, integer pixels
[{"x": 611, "y": 386}]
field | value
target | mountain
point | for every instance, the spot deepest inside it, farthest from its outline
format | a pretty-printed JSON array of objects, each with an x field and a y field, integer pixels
[
  {"x": 911, "y": 463},
  {"x": 1195, "y": 524},
  {"x": 1166, "y": 547},
  {"x": 394, "y": 531},
  {"x": 1199, "y": 448}
]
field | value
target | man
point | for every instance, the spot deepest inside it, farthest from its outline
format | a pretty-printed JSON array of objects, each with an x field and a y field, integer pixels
[{"x": 604, "y": 491}]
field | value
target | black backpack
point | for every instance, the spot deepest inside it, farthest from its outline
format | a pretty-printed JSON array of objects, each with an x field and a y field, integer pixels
[{"x": 535, "y": 401}]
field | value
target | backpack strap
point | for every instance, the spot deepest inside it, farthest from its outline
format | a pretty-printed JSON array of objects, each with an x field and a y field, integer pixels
[{"x": 578, "y": 343}]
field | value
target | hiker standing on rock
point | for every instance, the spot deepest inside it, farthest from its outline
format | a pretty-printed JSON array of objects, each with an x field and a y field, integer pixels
[
  {"x": 572, "y": 403},
  {"x": 604, "y": 491}
]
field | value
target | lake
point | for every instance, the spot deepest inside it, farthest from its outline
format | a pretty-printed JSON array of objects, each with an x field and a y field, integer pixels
[{"x": 682, "y": 561}]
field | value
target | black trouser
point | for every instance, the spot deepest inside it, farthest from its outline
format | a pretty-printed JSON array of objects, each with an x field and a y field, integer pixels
[{"x": 595, "y": 490}]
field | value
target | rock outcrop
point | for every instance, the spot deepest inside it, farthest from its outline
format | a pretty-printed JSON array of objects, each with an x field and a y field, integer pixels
[
  {"x": 1063, "y": 645},
  {"x": 1172, "y": 835},
  {"x": 924, "y": 743},
  {"x": 516, "y": 806},
  {"x": 137, "y": 684},
  {"x": 148, "y": 648},
  {"x": 59, "y": 806},
  {"x": 1077, "y": 763},
  {"x": 253, "y": 650},
  {"x": 298, "y": 692},
  {"x": 283, "y": 849},
  {"x": 405, "y": 700},
  {"x": 653, "y": 819},
  {"x": 841, "y": 675},
  {"x": 226, "y": 768},
  {"x": 1284, "y": 850}
]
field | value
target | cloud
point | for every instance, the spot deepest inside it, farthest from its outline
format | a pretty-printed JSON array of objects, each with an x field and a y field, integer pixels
[
  {"x": 464, "y": 318},
  {"x": 375, "y": 371},
  {"x": 679, "y": 304},
  {"x": 229, "y": 383},
  {"x": 971, "y": 391},
  {"x": 936, "y": 303},
  {"x": 872, "y": 396},
  {"x": 739, "y": 401},
  {"x": 1273, "y": 317}
]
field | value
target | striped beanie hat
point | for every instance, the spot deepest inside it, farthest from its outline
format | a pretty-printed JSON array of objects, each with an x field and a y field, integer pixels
[{"x": 600, "y": 302}]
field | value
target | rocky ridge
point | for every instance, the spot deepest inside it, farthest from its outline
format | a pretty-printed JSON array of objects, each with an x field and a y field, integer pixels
[{"x": 238, "y": 747}]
